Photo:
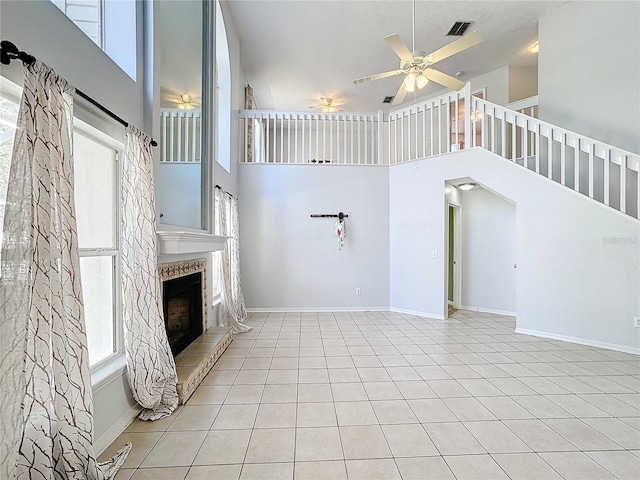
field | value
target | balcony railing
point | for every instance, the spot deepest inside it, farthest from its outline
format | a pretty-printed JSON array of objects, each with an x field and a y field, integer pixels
[
  {"x": 286, "y": 138},
  {"x": 180, "y": 136},
  {"x": 440, "y": 125}
]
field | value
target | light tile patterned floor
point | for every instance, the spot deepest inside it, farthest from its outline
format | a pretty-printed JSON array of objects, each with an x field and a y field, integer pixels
[{"x": 379, "y": 395}]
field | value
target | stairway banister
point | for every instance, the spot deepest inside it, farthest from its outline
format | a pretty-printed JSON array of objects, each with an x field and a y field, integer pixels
[{"x": 560, "y": 134}]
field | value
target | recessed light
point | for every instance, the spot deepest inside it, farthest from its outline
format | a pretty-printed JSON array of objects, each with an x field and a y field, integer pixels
[{"x": 467, "y": 186}]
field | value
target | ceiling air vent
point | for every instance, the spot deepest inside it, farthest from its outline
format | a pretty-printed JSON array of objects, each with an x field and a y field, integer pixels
[
  {"x": 387, "y": 100},
  {"x": 459, "y": 28}
]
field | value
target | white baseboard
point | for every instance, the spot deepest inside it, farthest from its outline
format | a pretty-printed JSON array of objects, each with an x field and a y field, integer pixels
[
  {"x": 419, "y": 314},
  {"x": 579, "y": 341},
  {"x": 318, "y": 309},
  {"x": 346, "y": 309},
  {"x": 102, "y": 443},
  {"x": 488, "y": 310}
]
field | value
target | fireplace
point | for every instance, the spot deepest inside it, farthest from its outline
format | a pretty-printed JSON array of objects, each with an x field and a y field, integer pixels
[
  {"x": 183, "y": 301},
  {"x": 182, "y": 305}
]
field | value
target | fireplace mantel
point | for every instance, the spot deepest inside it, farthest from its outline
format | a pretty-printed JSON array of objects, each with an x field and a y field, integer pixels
[{"x": 172, "y": 242}]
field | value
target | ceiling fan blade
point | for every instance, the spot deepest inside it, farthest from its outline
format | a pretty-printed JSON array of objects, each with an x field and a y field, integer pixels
[
  {"x": 399, "y": 47},
  {"x": 444, "y": 79},
  {"x": 399, "y": 98},
  {"x": 377, "y": 76},
  {"x": 457, "y": 46}
]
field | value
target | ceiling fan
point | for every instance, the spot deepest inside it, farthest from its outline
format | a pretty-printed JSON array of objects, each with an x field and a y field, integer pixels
[
  {"x": 328, "y": 105},
  {"x": 416, "y": 64}
]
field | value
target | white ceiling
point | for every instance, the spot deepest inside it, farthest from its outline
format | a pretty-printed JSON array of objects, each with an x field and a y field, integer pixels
[{"x": 294, "y": 52}]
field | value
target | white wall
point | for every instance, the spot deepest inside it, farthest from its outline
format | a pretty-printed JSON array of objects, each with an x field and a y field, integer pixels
[
  {"x": 497, "y": 84},
  {"x": 488, "y": 252},
  {"x": 578, "y": 272},
  {"x": 180, "y": 203},
  {"x": 589, "y": 66},
  {"x": 292, "y": 261},
  {"x": 523, "y": 82}
]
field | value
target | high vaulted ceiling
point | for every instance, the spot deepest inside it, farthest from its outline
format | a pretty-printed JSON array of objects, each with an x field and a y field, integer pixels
[{"x": 294, "y": 52}]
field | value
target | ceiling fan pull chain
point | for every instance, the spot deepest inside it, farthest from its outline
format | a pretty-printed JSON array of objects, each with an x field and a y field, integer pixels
[{"x": 414, "y": 26}]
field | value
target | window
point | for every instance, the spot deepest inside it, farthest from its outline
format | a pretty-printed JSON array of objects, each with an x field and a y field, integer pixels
[
  {"x": 96, "y": 172},
  {"x": 9, "y": 106},
  {"x": 223, "y": 93},
  {"x": 110, "y": 24},
  {"x": 87, "y": 15},
  {"x": 96, "y": 179}
]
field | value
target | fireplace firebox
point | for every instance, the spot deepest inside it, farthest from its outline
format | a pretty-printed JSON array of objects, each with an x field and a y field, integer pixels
[{"x": 182, "y": 305}]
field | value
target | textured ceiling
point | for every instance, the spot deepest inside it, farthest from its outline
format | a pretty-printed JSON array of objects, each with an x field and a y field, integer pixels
[{"x": 294, "y": 52}]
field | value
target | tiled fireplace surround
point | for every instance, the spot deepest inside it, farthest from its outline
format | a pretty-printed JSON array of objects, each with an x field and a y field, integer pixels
[{"x": 195, "y": 362}]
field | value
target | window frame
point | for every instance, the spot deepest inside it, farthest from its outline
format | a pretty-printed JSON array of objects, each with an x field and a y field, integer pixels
[
  {"x": 223, "y": 93},
  {"x": 85, "y": 129},
  {"x": 63, "y": 5},
  {"x": 112, "y": 30}
]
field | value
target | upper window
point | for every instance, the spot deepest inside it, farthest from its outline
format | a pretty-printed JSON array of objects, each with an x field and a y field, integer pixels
[
  {"x": 87, "y": 15},
  {"x": 223, "y": 92},
  {"x": 110, "y": 24}
]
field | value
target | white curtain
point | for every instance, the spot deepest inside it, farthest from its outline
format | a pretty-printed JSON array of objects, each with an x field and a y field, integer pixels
[
  {"x": 45, "y": 384},
  {"x": 234, "y": 313},
  {"x": 151, "y": 368}
]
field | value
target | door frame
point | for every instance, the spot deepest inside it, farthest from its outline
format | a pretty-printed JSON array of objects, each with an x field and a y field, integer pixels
[{"x": 457, "y": 251}]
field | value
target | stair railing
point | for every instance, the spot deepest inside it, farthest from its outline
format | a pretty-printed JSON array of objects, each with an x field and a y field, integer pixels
[{"x": 602, "y": 172}]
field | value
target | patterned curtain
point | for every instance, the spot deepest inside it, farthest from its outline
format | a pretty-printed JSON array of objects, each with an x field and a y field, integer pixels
[
  {"x": 45, "y": 386},
  {"x": 249, "y": 104},
  {"x": 234, "y": 312},
  {"x": 236, "y": 287},
  {"x": 151, "y": 368}
]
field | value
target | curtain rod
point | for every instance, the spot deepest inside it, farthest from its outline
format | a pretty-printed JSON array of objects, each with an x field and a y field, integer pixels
[
  {"x": 224, "y": 191},
  {"x": 8, "y": 52}
]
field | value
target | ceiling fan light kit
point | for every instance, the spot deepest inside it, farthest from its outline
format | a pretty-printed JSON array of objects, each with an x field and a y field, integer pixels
[
  {"x": 328, "y": 105},
  {"x": 185, "y": 102},
  {"x": 416, "y": 64}
]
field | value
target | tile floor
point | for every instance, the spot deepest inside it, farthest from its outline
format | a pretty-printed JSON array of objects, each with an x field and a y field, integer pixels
[{"x": 378, "y": 395}]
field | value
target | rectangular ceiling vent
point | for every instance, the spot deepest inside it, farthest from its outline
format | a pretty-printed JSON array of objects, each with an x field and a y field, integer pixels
[
  {"x": 387, "y": 100},
  {"x": 459, "y": 28}
]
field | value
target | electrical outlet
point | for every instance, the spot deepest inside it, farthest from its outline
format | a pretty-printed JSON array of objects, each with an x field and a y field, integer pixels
[
  {"x": 434, "y": 253},
  {"x": 357, "y": 291},
  {"x": 636, "y": 322}
]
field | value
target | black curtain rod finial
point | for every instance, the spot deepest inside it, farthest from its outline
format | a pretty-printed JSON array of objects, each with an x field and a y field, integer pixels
[{"x": 8, "y": 52}]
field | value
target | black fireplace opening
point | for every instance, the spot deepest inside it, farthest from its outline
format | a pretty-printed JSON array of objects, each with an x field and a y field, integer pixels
[{"x": 182, "y": 305}]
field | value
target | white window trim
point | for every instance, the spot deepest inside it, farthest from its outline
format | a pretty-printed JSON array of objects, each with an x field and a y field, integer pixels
[
  {"x": 222, "y": 92},
  {"x": 113, "y": 364}
]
